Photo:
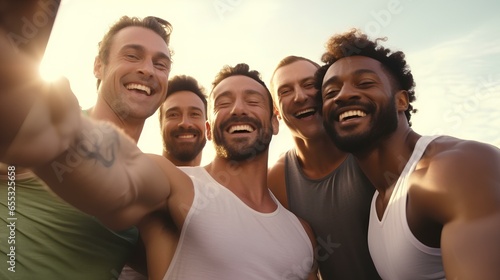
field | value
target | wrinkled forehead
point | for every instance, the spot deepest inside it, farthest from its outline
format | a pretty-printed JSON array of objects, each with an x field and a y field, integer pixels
[{"x": 238, "y": 87}]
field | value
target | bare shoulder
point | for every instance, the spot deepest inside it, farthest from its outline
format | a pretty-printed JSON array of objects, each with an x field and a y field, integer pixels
[
  {"x": 457, "y": 160},
  {"x": 462, "y": 176},
  {"x": 465, "y": 176},
  {"x": 447, "y": 148},
  {"x": 276, "y": 180}
]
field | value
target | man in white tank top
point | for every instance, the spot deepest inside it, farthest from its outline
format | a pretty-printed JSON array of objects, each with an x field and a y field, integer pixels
[{"x": 436, "y": 211}]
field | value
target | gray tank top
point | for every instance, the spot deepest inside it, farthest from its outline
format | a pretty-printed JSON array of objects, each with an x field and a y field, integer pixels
[{"x": 337, "y": 207}]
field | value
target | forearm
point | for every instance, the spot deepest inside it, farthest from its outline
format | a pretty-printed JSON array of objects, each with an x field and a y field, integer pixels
[
  {"x": 36, "y": 128},
  {"x": 28, "y": 24},
  {"x": 104, "y": 174},
  {"x": 23, "y": 93}
]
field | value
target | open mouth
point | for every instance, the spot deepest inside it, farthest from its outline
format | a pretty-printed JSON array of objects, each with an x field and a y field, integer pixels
[
  {"x": 240, "y": 128},
  {"x": 305, "y": 113},
  {"x": 142, "y": 88},
  {"x": 352, "y": 114},
  {"x": 186, "y": 136}
]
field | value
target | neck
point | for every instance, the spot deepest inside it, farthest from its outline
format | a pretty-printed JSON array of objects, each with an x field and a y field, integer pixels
[
  {"x": 318, "y": 157},
  {"x": 102, "y": 111},
  {"x": 384, "y": 163},
  {"x": 195, "y": 162},
  {"x": 245, "y": 179}
]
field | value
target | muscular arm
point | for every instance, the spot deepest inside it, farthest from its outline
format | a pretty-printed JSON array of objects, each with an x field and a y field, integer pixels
[
  {"x": 16, "y": 17},
  {"x": 91, "y": 165},
  {"x": 469, "y": 174},
  {"x": 104, "y": 173}
]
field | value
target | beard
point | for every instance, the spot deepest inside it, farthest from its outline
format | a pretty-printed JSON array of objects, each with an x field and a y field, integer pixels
[
  {"x": 241, "y": 149},
  {"x": 184, "y": 151},
  {"x": 382, "y": 125}
]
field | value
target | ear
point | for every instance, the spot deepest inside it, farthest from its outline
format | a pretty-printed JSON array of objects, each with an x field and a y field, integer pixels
[
  {"x": 276, "y": 124},
  {"x": 277, "y": 113},
  {"x": 208, "y": 131},
  {"x": 402, "y": 100},
  {"x": 97, "y": 68}
]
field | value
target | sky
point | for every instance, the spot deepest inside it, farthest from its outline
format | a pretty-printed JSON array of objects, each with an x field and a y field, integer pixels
[{"x": 452, "y": 47}]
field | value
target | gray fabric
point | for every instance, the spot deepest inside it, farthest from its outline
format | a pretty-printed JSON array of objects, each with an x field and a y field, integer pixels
[{"x": 337, "y": 207}]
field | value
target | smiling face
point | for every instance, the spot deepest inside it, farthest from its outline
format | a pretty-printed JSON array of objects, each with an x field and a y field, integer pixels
[
  {"x": 241, "y": 125},
  {"x": 183, "y": 126},
  {"x": 359, "y": 106},
  {"x": 134, "y": 81},
  {"x": 296, "y": 99}
]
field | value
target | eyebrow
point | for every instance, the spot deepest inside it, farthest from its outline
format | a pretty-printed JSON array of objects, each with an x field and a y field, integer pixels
[
  {"x": 252, "y": 92},
  {"x": 136, "y": 47},
  {"x": 335, "y": 79},
  {"x": 301, "y": 81},
  {"x": 245, "y": 92},
  {"x": 177, "y": 108}
]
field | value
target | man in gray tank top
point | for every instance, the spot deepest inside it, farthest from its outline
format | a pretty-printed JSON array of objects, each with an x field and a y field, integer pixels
[{"x": 317, "y": 181}]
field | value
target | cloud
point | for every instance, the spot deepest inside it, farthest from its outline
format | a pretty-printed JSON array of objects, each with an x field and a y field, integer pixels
[{"x": 458, "y": 86}]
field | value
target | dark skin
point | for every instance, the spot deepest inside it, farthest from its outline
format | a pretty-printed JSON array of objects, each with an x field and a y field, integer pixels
[{"x": 454, "y": 192}]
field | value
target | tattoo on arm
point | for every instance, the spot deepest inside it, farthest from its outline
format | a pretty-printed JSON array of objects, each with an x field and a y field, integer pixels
[{"x": 100, "y": 144}]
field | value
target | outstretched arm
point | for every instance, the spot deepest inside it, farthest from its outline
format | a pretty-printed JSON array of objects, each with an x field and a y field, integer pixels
[
  {"x": 28, "y": 24},
  {"x": 104, "y": 174},
  {"x": 92, "y": 165},
  {"x": 22, "y": 91}
]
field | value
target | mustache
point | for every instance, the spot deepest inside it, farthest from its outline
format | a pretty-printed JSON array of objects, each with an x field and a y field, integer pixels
[
  {"x": 178, "y": 131},
  {"x": 341, "y": 104}
]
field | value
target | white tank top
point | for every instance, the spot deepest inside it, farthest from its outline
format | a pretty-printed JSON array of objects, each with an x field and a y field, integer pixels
[
  {"x": 396, "y": 252},
  {"x": 223, "y": 238}
]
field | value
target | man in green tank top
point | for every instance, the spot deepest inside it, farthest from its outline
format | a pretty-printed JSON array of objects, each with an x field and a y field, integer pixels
[{"x": 52, "y": 239}]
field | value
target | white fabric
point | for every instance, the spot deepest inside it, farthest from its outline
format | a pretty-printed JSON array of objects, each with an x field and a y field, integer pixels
[
  {"x": 223, "y": 238},
  {"x": 396, "y": 252}
]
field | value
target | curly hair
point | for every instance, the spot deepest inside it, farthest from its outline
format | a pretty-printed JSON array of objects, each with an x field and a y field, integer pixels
[
  {"x": 356, "y": 43},
  {"x": 242, "y": 69},
  {"x": 160, "y": 26}
]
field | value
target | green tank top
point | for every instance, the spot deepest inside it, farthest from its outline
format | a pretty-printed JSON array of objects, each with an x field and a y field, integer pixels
[{"x": 50, "y": 239}]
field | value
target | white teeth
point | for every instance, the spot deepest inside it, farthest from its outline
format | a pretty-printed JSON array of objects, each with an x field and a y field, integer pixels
[
  {"x": 310, "y": 110},
  {"x": 241, "y": 127},
  {"x": 353, "y": 113},
  {"x": 186, "y": 136},
  {"x": 140, "y": 87}
]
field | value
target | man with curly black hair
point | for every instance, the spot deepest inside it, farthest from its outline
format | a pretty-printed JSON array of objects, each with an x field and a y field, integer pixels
[{"x": 436, "y": 209}]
